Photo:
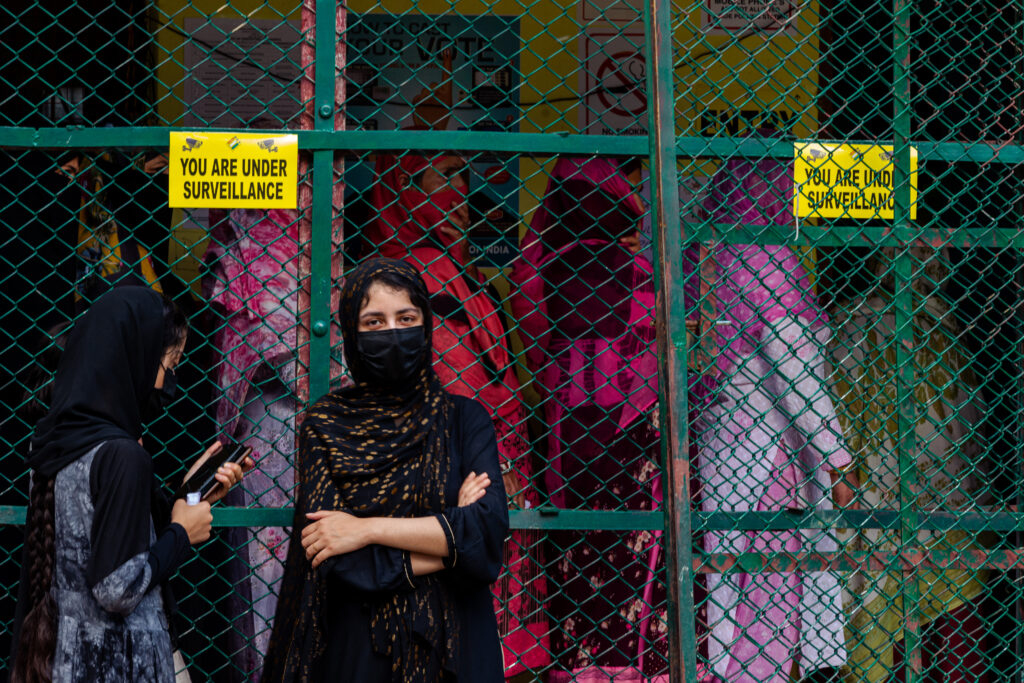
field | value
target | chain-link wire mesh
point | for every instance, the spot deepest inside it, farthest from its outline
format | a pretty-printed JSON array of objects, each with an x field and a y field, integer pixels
[{"x": 742, "y": 438}]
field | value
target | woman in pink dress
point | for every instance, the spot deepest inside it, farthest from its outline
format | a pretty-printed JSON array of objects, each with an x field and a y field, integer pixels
[
  {"x": 768, "y": 438},
  {"x": 252, "y": 281},
  {"x": 585, "y": 304}
]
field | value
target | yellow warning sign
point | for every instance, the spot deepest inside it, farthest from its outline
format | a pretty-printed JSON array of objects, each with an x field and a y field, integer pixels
[
  {"x": 848, "y": 181},
  {"x": 233, "y": 170}
]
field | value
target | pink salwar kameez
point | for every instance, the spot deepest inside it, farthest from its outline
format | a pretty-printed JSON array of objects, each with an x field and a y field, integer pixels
[{"x": 767, "y": 435}]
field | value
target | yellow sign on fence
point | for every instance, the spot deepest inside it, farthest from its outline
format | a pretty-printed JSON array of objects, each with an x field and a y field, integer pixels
[
  {"x": 233, "y": 170},
  {"x": 848, "y": 181}
]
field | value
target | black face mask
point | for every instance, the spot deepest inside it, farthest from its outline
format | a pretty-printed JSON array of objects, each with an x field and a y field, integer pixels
[
  {"x": 159, "y": 399},
  {"x": 392, "y": 356}
]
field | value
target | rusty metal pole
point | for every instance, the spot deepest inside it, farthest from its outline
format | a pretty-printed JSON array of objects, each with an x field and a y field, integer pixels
[{"x": 672, "y": 342}]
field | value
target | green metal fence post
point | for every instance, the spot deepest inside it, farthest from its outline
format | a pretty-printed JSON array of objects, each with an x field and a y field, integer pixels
[
  {"x": 324, "y": 105},
  {"x": 904, "y": 306},
  {"x": 672, "y": 343}
]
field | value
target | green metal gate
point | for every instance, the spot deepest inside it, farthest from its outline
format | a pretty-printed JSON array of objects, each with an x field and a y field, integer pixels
[{"x": 784, "y": 343}]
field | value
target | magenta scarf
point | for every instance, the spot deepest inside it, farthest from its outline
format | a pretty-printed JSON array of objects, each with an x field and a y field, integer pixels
[
  {"x": 584, "y": 301},
  {"x": 603, "y": 202}
]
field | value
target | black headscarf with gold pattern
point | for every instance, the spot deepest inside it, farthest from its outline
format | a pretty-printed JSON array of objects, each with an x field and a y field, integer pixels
[{"x": 372, "y": 453}]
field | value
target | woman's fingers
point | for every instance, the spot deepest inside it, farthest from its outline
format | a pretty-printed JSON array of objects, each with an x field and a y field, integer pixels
[
  {"x": 309, "y": 540},
  {"x": 320, "y": 557},
  {"x": 326, "y": 537},
  {"x": 316, "y": 529},
  {"x": 466, "y": 484},
  {"x": 482, "y": 479},
  {"x": 229, "y": 474},
  {"x": 473, "y": 488},
  {"x": 216, "y": 446}
]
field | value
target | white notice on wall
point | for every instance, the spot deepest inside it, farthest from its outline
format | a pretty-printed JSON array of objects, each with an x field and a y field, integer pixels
[
  {"x": 242, "y": 73},
  {"x": 750, "y": 17}
]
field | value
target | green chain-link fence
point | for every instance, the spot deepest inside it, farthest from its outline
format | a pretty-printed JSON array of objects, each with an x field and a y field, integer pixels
[{"x": 745, "y": 440}]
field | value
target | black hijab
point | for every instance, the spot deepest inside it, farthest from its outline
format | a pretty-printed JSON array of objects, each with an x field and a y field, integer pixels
[
  {"x": 104, "y": 378},
  {"x": 371, "y": 451}
]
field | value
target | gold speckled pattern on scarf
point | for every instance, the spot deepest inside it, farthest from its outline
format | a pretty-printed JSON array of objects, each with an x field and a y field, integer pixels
[{"x": 371, "y": 453}]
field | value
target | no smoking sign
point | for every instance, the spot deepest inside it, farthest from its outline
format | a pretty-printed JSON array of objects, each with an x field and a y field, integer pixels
[
  {"x": 621, "y": 84},
  {"x": 614, "y": 84}
]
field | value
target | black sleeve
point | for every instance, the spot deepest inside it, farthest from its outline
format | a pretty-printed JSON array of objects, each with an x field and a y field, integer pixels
[
  {"x": 168, "y": 553},
  {"x": 160, "y": 502},
  {"x": 123, "y": 566},
  {"x": 476, "y": 533},
  {"x": 372, "y": 569}
]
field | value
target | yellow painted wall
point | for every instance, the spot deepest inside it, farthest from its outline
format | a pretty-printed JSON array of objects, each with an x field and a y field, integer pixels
[{"x": 721, "y": 74}]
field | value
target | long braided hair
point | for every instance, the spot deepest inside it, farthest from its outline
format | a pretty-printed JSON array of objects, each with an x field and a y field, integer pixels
[{"x": 37, "y": 636}]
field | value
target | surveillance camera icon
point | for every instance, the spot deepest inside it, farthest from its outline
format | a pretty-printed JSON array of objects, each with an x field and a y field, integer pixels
[
  {"x": 191, "y": 144},
  {"x": 268, "y": 145}
]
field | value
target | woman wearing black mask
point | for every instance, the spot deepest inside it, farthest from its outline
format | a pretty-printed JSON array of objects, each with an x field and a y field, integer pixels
[
  {"x": 101, "y": 540},
  {"x": 400, "y": 515}
]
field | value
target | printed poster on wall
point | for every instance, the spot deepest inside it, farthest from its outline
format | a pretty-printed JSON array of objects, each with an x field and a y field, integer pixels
[{"x": 393, "y": 61}]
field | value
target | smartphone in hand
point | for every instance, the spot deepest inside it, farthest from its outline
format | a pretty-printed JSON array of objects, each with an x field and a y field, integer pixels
[{"x": 204, "y": 480}]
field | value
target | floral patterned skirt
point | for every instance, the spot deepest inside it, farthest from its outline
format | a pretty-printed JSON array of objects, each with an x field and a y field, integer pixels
[{"x": 611, "y": 602}]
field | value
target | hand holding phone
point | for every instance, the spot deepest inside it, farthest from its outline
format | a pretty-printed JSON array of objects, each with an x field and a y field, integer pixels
[{"x": 203, "y": 477}]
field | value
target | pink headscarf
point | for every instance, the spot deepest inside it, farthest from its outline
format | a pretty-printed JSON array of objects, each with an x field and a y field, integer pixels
[
  {"x": 572, "y": 266},
  {"x": 550, "y": 234}
]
